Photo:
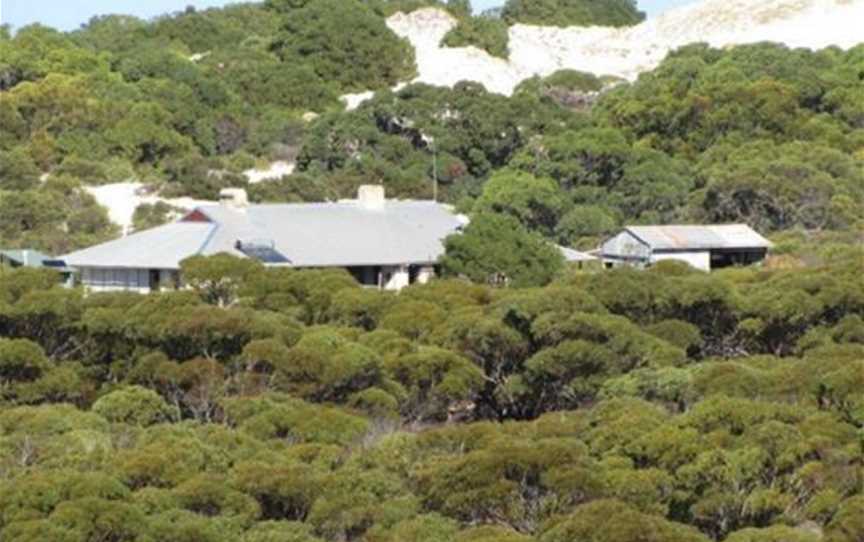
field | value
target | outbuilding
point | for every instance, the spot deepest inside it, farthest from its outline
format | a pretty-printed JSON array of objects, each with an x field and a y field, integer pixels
[{"x": 704, "y": 247}]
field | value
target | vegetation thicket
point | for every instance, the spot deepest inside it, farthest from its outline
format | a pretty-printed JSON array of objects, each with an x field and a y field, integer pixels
[
  {"x": 572, "y": 12},
  {"x": 484, "y": 32},
  {"x": 490, "y": 29},
  {"x": 533, "y": 403},
  {"x": 272, "y": 404}
]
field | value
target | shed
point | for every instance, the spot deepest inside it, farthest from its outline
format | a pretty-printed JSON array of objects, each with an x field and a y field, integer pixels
[{"x": 704, "y": 247}]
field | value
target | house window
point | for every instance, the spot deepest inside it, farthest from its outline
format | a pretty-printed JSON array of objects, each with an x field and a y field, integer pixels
[
  {"x": 119, "y": 278},
  {"x": 98, "y": 277}
]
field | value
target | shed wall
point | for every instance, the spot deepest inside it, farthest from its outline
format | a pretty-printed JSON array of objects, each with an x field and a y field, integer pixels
[{"x": 625, "y": 246}]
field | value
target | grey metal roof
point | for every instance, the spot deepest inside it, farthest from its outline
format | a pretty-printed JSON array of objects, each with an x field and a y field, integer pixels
[
  {"x": 162, "y": 247},
  {"x": 340, "y": 234},
  {"x": 717, "y": 236}
]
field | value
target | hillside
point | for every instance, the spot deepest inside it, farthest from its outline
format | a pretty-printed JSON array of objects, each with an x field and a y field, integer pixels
[
  {"x": 146, "y": 113},
  {"x": 625, "y": 52}
]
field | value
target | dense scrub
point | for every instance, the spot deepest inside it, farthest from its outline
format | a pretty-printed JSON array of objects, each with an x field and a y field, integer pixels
[
  {"x": 490, "y": 30},
  {"x": 665, "y": 405},
  {"x": 483, "y": 32},
  {"x": 757, "y": 134},
  {"x": 572, "y": 12}
]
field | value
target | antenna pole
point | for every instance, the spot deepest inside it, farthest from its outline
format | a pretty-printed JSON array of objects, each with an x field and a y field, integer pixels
[{"x": 434, "y": 172}]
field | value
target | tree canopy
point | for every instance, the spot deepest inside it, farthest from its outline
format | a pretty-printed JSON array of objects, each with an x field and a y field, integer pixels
[
  {"x": 620, "y": 406},
  {"x": 573, "y": 12}
]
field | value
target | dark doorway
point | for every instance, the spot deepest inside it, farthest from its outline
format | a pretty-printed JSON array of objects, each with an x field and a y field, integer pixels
[
  {"x": 153, "y": 281},
  {"x": 728, "y": 258},
  {"x": 368, "y": 276}
]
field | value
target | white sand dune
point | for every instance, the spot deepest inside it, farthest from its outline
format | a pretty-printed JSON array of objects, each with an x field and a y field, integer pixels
[
  {"x": 276, "y": 170},
  {"x": 627, "y": 52}
]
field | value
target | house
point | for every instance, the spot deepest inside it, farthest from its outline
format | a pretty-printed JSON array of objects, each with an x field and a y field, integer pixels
[
  {"x": 384, "y": 243},
  {"x": 703, "y": 247}
]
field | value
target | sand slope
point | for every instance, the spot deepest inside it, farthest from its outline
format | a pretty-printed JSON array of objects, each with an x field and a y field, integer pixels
[{"x": 537, "y": 50}]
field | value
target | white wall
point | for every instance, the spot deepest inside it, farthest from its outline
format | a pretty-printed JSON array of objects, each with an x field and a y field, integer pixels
[
  {"x": 398, "y": 277},
  {"x": 698, "y": 259},
  {"x": 425, "y": 274}
]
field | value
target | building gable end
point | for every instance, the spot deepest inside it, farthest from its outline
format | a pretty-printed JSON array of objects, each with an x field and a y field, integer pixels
[{"x": 197, "y": 215}]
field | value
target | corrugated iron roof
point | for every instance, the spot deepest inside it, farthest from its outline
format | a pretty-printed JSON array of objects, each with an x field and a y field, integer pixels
[
  {"x": 715, "y": 236},
  {"x": 340, "y": 234}
]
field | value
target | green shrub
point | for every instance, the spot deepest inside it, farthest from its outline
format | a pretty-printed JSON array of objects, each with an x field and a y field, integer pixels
[{"x": 491, "y": 35}]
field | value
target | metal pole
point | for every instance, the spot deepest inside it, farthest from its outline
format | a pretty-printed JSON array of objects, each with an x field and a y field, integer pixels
[{"x": 434, "y": 172}]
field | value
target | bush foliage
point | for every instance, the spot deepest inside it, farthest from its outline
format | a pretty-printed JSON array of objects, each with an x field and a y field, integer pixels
[
  {"x": 572, "y": 12},
  {"x": 276, "y": 404}
]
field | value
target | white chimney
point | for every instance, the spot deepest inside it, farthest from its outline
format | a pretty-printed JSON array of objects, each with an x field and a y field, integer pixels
[
  {"x": 371, "y": 196},
  {"x": 234, "y": 198}
]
